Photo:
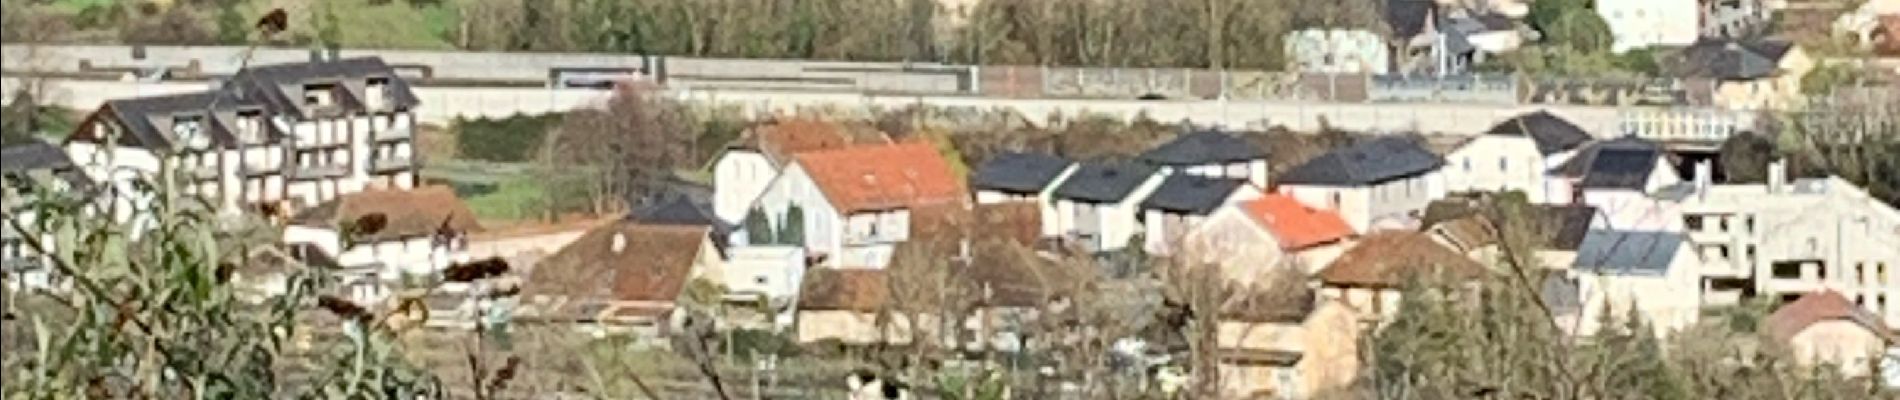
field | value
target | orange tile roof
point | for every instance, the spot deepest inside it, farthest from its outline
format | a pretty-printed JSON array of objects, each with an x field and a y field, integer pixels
[
  {"x": 1389, "y": 259},
  {"x": 861, "y": 178},
  {"x": 1296, "y": 225},
  {"x": 1816, "y": 307}
]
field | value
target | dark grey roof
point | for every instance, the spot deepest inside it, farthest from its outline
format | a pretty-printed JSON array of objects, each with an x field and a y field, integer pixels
[
  {"x": 34, "y": 155},
  {"x": 1019, "y": 172},
  {"x": 37, "y": 155},
  {"x": 1369, "y": 162},
  {"x": 1191, "y": 194},
  {"x": 1201, "y": 148},
  {"x": 1577, "y": 165},
  {"x": 1407, "y": 17},
  {"x": 148, "y": 120},
  {"x": 276, "y": 85},
  {"x": 1621, "y": 169},
  {"x": 1563, "y": 226},
  {"x": 1628, "y": 252},
  {"x": 1104, "y": 182},
  {"x": 1552, "y": 133},
  {"x": 675, "y": 210},
  {"x": 1732, "y": 59}
]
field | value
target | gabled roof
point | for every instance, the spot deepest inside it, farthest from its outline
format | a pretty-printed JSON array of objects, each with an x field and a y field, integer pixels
[
  {"x": 652, "y": 263},
  {"x": 1732, "y": 59},
  {"x": 1553, "y": 134},
  {"x": 1628, "y": 252},
  {"x": 1563, "y": 226},
  {"x": 406, "y": 213},
  {"x": 148, "y": 120},
  {"x": 1104, "y": 182},
  {"x": 1294, "y": 224},
  {"x": 1201, "y": 148},
  {"x": 1816, "y": 307},
  {"x": 1191, "y": 194},
  {"x": 37, "y": 155},
  {"x": 781, "y": 139},
  {"x": 882, "y": 177},
  {"x": 675, "y": 210},
  {"x": 1019, "y": 172},
  {"x": 1624, "y": 163},
  {"x": 279, "y": 86},
  {"x": 832, "y": 289},
  {"x": 1407, "y": 18},
  {"x": 1392, "y": 258},
  {"x": 1366, "y": 163}
]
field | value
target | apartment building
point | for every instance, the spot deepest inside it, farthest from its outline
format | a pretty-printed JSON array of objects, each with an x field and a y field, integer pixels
[
  {"x": 1787, "y": 238},
  {"x": 273, "y": 138}
]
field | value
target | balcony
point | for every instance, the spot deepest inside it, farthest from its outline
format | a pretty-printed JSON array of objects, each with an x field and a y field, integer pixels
[
  {"x": 391, "y": 164},
  {"x": 318, "y": 171},
  {"x": 392, "y": 135},
  {"x": 257, "y": 170},
  {"x": 306, "y": 143},
  {"x": 201, "y": 173}
]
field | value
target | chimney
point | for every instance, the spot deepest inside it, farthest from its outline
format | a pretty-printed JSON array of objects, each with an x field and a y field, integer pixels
[
  {"x": 1777, "y": 176},
  {"x": 620, "y": 242}
]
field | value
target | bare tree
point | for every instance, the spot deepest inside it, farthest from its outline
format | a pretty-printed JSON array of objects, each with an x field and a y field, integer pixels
[{"x": 627, "y": 149}]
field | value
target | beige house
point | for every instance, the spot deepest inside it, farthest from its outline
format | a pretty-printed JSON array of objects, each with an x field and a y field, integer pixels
[
  {"x": 1746, "y": 74},
  {"x": 1459, "y": 222},
  {"x": 1370, "y": 276},
  {"x": 844, "y": 305},
  {"x": 1249, "y": 237},
  {"x": 624, "y": 278},
  {"x": 1825, "y": 328},
  {"x": 1275, "y": 352}
]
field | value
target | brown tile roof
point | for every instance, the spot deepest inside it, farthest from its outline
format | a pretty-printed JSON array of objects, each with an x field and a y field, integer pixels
[
  {"x": 653, "y": 263},
  {"x": 1389, "y": 259},
  {"x": 406, "y": 213},
  {"x": 782, "y": 139},
  {"x": 1826, "y": 305},
  {"x": 830, "y": 289},
  {"x": 884, "y": 177}
]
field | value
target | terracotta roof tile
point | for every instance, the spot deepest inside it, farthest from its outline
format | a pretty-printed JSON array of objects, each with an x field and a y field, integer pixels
[
  {"x": 1817, "y": 307},
  {"x": 652, "y": 263},
  {"x": 828, "y": 289},
  {"x": 864, "y": 178},
  {"x": 408, "y": 213},
  {"x": 1296, "y": 225},
  {"x": 1388, "y": 259},
  {"x": 782, "y": 139}
]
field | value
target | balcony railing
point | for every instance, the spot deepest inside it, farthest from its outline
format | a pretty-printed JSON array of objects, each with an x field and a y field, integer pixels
[
  {"x": 255, "y": 170},
  {"x": 392, "y": 135},
  {"x": 391, "y": 164},
  {"x": 202, "y": 173},
  {"x": 318, "y": 171}
]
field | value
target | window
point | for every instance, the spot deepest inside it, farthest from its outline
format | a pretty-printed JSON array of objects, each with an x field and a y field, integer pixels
[
  {"x": 758, "y": 280},
  {"x": 1694, "y": 222},
  {"x": 1504, "y": 164},
  {"x": 1467, "y": 162},
  {"x": 1335, "y": 200}
]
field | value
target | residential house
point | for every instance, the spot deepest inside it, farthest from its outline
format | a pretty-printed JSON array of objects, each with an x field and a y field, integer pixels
[
  {"x": 1023, "y": 177},
  {"x": 1183, "y": 202},
  {"x": 381, "y": 239},
  {"x": 765, "y": 276},
  {"x": 1638, "y": 24},
  {"x": 1371, "y": 275},
  {"x": 1379, "y": 183},
  {"x": 1790, "y": 237},
  {"x": 1735, "y": 19},
  {"x": 1211, "y": 154},
  {"x": 1825, "y": 328},
  {"x": 1282, "y": 352},
  {"x": 850, "y": 206},
  {"x": 842, "y": 306},
  {"x": 749, "y": 165},
  {"x": 1097, "y": 207},
  {"x": 1249, "y": 237},
  {"x": 1461, "y": 222},
  {"x": 1653, "y": 274},
  {"x": 273, "y": 138},
  {"x": 1513, "y": 155},
  {"x": 626, "y": 278},
  {"x": 30, "y": 170},
  {"x": 1337, "y": 51},
  {"x": 1753, "y": 74},
  {"x": 1620, "y": 178}
]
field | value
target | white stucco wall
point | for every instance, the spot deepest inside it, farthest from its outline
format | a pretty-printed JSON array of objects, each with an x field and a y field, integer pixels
[
  {"x": 1498, "y": 163},
  {"x": 739, "y": 177},
  {"x": 1844, "y": 344},
  {"x": 824, "y": 227},
  {"x": 1642, "y": 23},
  {"x": 1391, "y": 204},
  {"x": 1668, "y": 302}
]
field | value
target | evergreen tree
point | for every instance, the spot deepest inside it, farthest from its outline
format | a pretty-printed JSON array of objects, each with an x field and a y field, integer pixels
[
  {"x": 791, "y": 231},
  {"x": 758, "y": 229}
]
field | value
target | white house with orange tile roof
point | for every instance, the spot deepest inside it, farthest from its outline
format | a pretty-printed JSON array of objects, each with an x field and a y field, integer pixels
[
  {"x": 854, "y": 204},
  {"x": 1248, "y": 237}
]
